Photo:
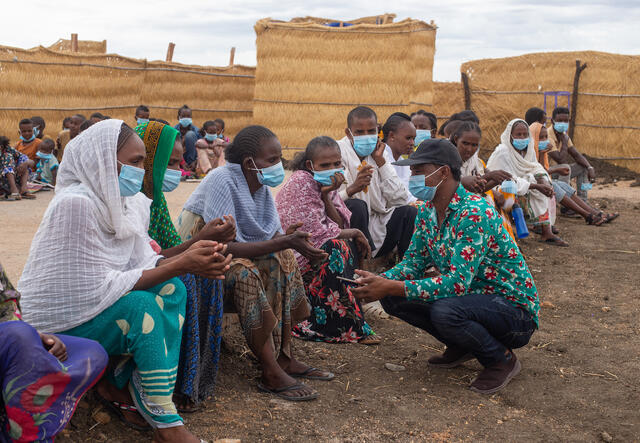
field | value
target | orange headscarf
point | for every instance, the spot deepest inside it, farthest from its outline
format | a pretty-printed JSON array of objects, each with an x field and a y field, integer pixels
[{"x": 535, "y": 130}]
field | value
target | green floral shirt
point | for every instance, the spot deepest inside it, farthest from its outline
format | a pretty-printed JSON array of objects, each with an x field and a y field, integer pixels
[{"x": 472, "y": 251}]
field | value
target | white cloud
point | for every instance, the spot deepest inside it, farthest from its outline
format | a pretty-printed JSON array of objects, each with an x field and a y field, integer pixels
[{"x": 205, "y": 31}]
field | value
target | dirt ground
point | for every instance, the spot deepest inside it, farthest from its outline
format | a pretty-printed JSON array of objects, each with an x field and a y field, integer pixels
[{"x": 580, "y": 379}]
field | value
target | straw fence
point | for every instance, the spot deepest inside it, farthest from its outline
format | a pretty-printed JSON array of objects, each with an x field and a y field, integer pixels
[
  {"x": 84, "y": 46},
  {"x": 310, "y": 75},
  {"x": 608, "y": 111},
  {"x": 448, "y": 98},
  {"x": 55, "y": 84}
]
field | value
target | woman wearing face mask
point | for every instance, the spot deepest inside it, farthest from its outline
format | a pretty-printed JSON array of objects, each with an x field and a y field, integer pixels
[
  {"x": 399, "y": 136},
  {"x": 110, "y": 283},
  {"x": 200, "y": 339},
  {"x": 264, "y": 282},
  {"x": 516, "y": 155},
  {"x": 310, "y": 199}
]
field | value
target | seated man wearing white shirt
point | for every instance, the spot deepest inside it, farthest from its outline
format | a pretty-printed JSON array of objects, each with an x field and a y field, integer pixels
[
  {"x": 371, "y": 181},
  {"x": 399, "y": 135}
]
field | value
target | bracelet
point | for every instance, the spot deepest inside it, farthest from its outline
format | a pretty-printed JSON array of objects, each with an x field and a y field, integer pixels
[{"x": 590, "y": 167}]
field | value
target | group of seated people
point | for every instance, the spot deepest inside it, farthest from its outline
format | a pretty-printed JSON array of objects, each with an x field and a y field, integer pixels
[{"x": 140, "y": 298}]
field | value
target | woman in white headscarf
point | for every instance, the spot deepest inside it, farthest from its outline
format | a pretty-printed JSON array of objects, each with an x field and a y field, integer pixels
[
  {"x": 93, "y": 272},
  {"x": 516, "y": 155}
]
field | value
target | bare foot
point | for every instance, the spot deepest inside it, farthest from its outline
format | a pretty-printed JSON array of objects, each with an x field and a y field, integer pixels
[
  {"x": 110, "y": 393},
  {"x": 177, "y": 434}
]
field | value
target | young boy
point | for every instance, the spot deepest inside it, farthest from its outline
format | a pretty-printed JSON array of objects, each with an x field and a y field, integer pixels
[
  {"x": 28, "y": 144},
  {"x": 562, "y": 152},
  {"x": 373, "y": 192},
  {"x": 14, "y": 172},
  {"x": 142, "y": 115},
  {"x": 47, "y": 167},
  {"x": 66, "y": 136},
  {"x": 189, "y": 136},
  {"x": 535, "y": 115}
]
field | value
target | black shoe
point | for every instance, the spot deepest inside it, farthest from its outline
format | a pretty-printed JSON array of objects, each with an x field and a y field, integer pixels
[
  {"x": 497, "y": 376},
  {"x": 450, "y": 358}
]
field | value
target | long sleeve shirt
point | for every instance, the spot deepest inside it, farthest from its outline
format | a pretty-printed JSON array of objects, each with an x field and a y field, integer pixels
[
  {"x": 385, "y": 193},
  {"x": 473, "y": 252}
]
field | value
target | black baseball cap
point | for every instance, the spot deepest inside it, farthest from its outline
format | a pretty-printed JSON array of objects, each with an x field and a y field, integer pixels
[{"x": 435, "y": 151}]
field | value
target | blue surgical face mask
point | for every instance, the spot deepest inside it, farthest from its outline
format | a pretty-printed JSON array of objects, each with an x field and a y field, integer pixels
[
  {"x": 171, "y": 180},
  {"x": 422, "y": 135},
  {"x": 271, "y": 176},
  {"x": 36, "y": 131},
  {"x": 364, "y": 145},
  {"x": 509, "y": 187},
  {"x": 220, "y": 135},
  {"x": 324, "y": 177},
  {"x": 561, "y": 126},
  {"x": 543, "y": 145},
  {"x": 520, "y": 143},
  {"x": 33, "y": 137},
  {"x": 142, "y": 120},
  {"x": 43, "y": 156},
  {"x": 421, "y": 191},
  {"x": 185, "y": 122},
  {"x": 210, "y": 137},
  {"x": 130, "y": 180}
]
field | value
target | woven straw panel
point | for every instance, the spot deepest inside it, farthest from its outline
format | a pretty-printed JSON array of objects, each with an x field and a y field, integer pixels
[{"x": 597, "y": 131}]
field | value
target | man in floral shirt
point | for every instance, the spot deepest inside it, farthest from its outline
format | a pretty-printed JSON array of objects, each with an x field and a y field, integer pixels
[{"x": 482, "y": 301}]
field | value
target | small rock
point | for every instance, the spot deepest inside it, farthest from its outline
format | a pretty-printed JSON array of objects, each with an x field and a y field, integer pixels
[
  {"x": 500, "y": 422},
  {"x": 394, "y": 368},
  {"x": 547, "y": 304},
  {"x": 606, "y": 309},
  {"x": 606, "y": 437},
  {"x": 102, "y": 417}
]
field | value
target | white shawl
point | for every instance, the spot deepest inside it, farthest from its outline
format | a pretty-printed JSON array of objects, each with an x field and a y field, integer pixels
[
  {"x": 473, "y": 166},
  {"x": 523, "y": 169},
  {"x": 92, "y": 244}
]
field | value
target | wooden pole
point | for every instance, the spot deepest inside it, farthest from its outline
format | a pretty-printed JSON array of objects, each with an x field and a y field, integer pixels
[
  {"x": 574, "y": 97},
  {"x": 467, "y": 90},
  {"x": 74, "y": 42},
  {"x": 232, "y": 56},
  {"x": 170, "y": 51}
]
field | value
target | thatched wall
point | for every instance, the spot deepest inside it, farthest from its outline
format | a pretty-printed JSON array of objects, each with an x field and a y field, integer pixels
[
  {"x": 56, "y": 84},
  {"x": 608, "y": 117},
  {"x": 310, "y": 75},
  {"x": 448, "y": 98},
  {"x": 84, "y": 46}
]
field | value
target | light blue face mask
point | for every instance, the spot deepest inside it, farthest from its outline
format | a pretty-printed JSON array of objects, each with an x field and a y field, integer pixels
[
  {"x": 561, "y": 126},
  {"x": 364, "y": 145},
  {"x": 130, "y": 180},
  {"x": 43, "y": 156},
  {"x": 509, "y": 187},
  {"x": 422, "y": 135},
  {"x": 421, "y": 191},
  {"x": 33, "y": 137},
  {"x": 324, "y": 177},
  {"x": 543, "y": 145},
  {"x": 171, "y": 180},
  {"x": 220, "y": 135},
  {"x": 520, "y": 143},
  {"x": 210, "y": 137},
  {"x": 142, "y": 120},
  {"x": 36, "y": 131},
  {"x": 185, "y": 122},
  {"x": 271, "y": 176}
]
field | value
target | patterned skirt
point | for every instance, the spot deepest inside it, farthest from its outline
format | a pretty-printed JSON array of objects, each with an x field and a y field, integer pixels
[{"x": 336, "y": 315}]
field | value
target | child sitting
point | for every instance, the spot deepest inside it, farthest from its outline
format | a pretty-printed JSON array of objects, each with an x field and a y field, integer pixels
[
  {"x": 28, "y": 144},
  {"x": 47, "y": 166},
  {"x": 14, "y": 172},
  {"x": 142, "y": 114},
  {"x": 210, "y": 147}
]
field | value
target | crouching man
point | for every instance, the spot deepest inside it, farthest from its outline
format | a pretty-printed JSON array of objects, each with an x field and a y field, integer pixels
[{"x": 483, "y": 302}]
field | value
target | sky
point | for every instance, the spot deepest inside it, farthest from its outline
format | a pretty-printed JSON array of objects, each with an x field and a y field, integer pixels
[{"x": 204, "y": 30}]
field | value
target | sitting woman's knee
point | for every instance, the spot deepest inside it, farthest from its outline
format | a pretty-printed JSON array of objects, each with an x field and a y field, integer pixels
[{"x": 18, "y": 333}]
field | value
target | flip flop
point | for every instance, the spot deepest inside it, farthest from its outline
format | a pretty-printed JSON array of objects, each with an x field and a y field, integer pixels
[
  {"x": 608, "y": 218},
  {"x": 596, "y": 219},
  {"x": 117, "y": 408},
  {"x": 305, "y": 374},
  {"x": 556, "y": 241},
  {"x": 370, "y": 340},
  {"x": 13, "y": 197},
  {"x": 279, "y": 392},
  {"x": 28, "y": 196}
]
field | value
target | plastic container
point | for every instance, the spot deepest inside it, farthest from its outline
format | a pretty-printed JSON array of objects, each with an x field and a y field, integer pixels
[
  {"x": 586, "y": 186},
  {"x": 508, "y": 189},
  {"x": 518, "y": 218}
]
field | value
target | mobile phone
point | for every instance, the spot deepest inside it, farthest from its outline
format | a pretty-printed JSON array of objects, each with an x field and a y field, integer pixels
[{"x": 348, "y": 280}]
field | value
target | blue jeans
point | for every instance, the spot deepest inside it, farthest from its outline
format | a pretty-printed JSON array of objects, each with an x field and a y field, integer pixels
[{"x": 483, "y": 325}]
